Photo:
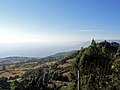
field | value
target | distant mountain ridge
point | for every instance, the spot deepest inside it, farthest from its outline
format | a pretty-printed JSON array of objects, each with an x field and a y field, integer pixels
[
  {"x": 62, "y": 54},
  {"x": 9, "y": 60},
  {"x": 17, "y": 59}
]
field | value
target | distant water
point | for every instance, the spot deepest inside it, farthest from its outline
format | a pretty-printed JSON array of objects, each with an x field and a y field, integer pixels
[
  {"x": 35, "y": 49},
  {"x": 41, "y": 49}
]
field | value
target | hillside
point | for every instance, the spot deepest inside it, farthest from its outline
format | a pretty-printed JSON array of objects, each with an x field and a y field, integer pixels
[
  {"x": 98, "y": 65},
  {"x": 14, "y": 66}
]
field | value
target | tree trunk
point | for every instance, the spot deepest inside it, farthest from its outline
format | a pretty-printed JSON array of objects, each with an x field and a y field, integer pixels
[{"x": 78, "y": 79}]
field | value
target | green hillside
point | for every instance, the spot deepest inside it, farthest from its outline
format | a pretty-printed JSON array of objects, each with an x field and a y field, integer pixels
[{"x": 96, "y": 67}]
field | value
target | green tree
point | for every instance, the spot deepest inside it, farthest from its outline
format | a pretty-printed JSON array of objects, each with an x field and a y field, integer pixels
[
  {"x": 93, "y": 43},
  {"x": 118, "y": 53},
  {"x": 95, "y": 66}
]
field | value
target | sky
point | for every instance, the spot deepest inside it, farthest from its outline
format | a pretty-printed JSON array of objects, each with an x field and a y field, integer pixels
[
  {"x": 42, "y": 26},
  {"x": 58, "y": 20}
]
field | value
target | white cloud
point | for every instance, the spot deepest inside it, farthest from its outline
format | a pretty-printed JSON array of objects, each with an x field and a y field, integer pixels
[{"x": 90, "y": 30}]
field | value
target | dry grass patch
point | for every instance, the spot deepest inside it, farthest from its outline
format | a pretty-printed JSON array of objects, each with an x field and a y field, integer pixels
[
  {"x": 64, "y": 65},
  {"x": 50, "y": 63},
  {"x": 8, "y": 74}
]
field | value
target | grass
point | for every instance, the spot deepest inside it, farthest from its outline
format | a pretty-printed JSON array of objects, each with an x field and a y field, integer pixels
[
  {"x": 11, "y": 73},
  {"x": 11, "y": 81}
]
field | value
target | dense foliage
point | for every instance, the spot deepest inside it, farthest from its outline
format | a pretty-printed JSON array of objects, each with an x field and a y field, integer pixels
[{"x": 96, "y": 66}]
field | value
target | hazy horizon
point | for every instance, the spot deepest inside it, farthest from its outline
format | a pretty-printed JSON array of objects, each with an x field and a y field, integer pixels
[
  {"x": 35, "y": 49},
  {"x": 40, "y": 50},
  {"x": 25, "y": 25}
]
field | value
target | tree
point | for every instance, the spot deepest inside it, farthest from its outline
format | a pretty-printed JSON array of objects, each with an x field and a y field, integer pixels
[
  {"x": 118, "y": 53},
  {"x": 94, "y": 66},
  {"x": 93, "y": 43},
  {"x": 4, "y": 84},
  {"x": 4, "y": 68}
]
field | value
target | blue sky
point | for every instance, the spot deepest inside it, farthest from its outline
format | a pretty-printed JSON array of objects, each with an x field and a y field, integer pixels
[{"x": 58, "y": 20}]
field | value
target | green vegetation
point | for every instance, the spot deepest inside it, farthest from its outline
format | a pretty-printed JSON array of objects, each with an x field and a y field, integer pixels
[
  {"x": 98, "y": 68},
  {"x": 95, "y": 65}
]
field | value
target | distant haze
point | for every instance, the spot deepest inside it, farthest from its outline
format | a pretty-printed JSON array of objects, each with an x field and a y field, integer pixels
[
  {"x": 35, "y": 49},
  {"x": 42, "y": 49}
]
